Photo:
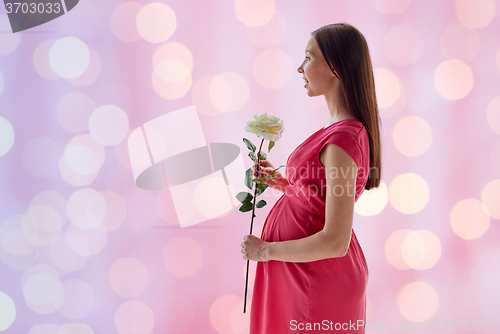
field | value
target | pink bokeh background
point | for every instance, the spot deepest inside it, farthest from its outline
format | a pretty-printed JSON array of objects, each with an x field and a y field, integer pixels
[{"x": 84, "y": 250}]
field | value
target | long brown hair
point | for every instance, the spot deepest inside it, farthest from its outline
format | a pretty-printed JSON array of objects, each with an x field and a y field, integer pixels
[{"x": 345, "y": 50}]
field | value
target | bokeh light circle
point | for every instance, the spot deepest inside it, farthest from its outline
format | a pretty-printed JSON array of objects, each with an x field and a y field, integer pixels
[
  {"x": 69, "y": 57},
  {"x": 75, "y": 328},
  {"x": 15, "y": 243},
  {"x": 41, "y": 60},
  {"x": 393, "y": 249},
  {"x": 7, "y": 311},
  {"x": 73, "y": 166},
  {"x": 37, "y": 269},
  {"x": 86, "y": 242},
  {"x": 412, "y": 136},
  {"x": 42, "y": 225},
  {"x": 229, "y": 91},
  {"x": 116, "y": 210},
  {"x": 79, "y": 153},
  {"x": 78, "y": 299},
  {"x": 240, "y": 322},
  {"x": 45, "y": 218},
  {"x": 421, "y": 249},
  {"x": 183, "y": 256},
  {"x": 387, "y": 87},
  {"x": 221, "y": 311},
  {"x": 469, "y": 219},
  {"x": 418, "y": 301},
  {"x": 6, "y": 136},
  {"x": 173, "y": 51},
  {"x": 74, "y": 111},
  {"x": 72, "y": 177},
  {"x": 269, "y": 35},
  {"x": 54, "y": 200},
  {"x": 156, "y": 22},
  {"x": 64, "y": 257},
  {"x": 86, "y": 208},
  {"x": 134, "y": 317},
  {"x": 43, "y": 292},
  {"x": 490, "y": 197},
  {"x": 174, "y": 313},
  {"x": 372, "y": 201},
  {"x": 108, "y": 125},
  {"x": 123, "y": 21},
  {"x": 493, "y": 114},
  {"x": 16, "y": 251},
  {"x": 128, "y": 277},
  {"x": 200, "y": 94},
  {"x": 475, "y": 13},
  {"x": 172, "y": 71},
  {"x": 92, "y": 72},
  {"x": 409, "y": 193},
  {"x": 403, "y": 44},
  {"x": 273, "y": 68},
  {"x": 44, "y": 329},
  {"x": 453, "y": 79},
  {"x": 171, "y": 79},
  {"x": 254, "y": 13}
]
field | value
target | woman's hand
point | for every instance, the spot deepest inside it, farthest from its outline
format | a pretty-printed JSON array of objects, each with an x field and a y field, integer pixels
[
  {"x": 254, "y": 248},
  {"x": 279, "y": 182}
]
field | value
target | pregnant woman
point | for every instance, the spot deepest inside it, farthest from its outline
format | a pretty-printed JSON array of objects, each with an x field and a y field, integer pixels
[{"x": 311, "y": 273}]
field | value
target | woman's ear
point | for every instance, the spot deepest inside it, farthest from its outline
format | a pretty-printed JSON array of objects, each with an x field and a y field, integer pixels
[{"x": 334, "y": 73}]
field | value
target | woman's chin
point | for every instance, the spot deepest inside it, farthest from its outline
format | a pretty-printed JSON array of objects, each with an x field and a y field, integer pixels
[{"x": 310, "y": 93}]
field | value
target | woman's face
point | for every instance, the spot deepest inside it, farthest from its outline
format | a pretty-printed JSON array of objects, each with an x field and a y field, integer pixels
[{"x": 315, "y": 71}]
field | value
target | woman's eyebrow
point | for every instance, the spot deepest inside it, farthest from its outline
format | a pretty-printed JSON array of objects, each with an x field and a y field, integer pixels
[{"x": 308, "y": 51}]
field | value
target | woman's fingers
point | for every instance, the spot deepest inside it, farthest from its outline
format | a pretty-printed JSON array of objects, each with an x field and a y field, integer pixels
[
  {"x": 262, "y": 171},
  {"x": 265, "y": 169}
]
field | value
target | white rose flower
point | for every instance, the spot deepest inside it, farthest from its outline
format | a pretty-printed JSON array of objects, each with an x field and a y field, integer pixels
[{"x": 267, "y": 126}]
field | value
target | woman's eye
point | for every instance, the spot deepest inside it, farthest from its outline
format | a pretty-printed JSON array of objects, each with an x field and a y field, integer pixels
[{"x": 307, "y": 57}]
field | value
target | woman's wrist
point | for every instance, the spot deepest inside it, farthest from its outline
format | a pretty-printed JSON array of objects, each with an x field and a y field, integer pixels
[
  {"x": 267, "y": 250},
  {"x": 284, "y": 184}
]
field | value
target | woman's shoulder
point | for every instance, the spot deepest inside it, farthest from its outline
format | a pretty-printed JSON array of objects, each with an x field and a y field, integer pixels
[
  {"x": 352, "y": 130},
  {"x": 352, "y": 126}
]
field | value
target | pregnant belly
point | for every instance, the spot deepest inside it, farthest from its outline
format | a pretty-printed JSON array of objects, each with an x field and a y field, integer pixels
[{"x": 289, "y": 221}]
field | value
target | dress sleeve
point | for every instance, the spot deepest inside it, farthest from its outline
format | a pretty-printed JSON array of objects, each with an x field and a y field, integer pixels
[{"x": 348, "y": 143}]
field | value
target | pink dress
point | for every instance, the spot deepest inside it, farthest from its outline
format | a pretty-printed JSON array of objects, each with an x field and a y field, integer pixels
[{"x": 320, "y": 296}]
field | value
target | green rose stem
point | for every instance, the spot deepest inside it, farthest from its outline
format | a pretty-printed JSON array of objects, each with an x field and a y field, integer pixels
[{"x": 251, "y": 224}]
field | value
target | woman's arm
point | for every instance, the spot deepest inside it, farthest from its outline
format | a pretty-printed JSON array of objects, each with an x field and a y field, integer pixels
[
  {"x": 334, "y": 239},
  {"x": 284, "y": 183}
]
